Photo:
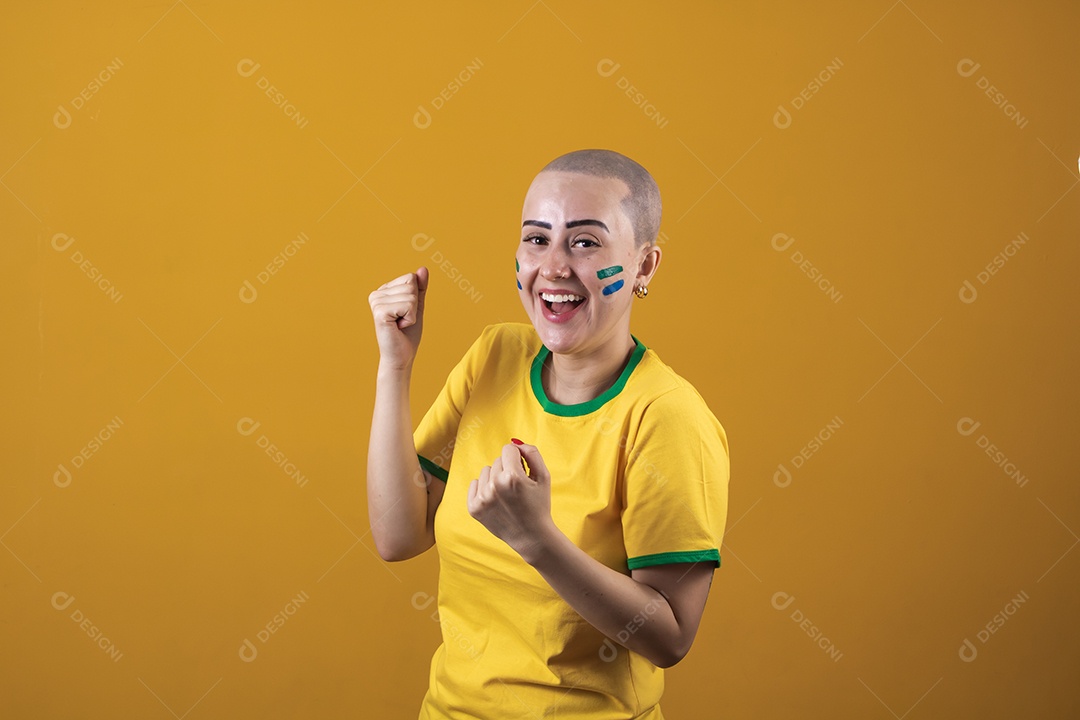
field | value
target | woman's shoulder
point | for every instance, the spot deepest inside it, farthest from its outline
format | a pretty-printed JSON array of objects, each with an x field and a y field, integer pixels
[
  {"x": 672, "y": 404},
  {"x": 665, "y": 388},
  {"x": 510, "y": 335},
  {"x": 508, "y": 340}
]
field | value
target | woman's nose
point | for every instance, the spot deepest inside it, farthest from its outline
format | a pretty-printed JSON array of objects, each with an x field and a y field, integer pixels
[
  {"x": 554, "y": 270},
  {"x": 555, "y": 266}
]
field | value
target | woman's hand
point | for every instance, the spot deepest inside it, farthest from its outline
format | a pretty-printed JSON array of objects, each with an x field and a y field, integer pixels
[
  {"x": 514, "y": 506},
  {"x": 398, "y": 310}
]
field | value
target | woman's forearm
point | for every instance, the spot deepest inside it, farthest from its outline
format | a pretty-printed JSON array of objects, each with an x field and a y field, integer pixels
[
  {"x": 397, "y": 495},
  {"x": 628, "y": 612}
]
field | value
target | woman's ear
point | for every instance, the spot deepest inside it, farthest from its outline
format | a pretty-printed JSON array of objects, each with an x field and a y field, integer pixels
[{"x": 647, "y": 265}]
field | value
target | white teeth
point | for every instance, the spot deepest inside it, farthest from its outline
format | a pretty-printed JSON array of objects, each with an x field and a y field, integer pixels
[{"x": 560, "y": 298}]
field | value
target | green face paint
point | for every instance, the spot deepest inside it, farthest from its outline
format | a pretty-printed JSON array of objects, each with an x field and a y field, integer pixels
[
  {"x": 517, "y": 265},
  {"x": 609, "y": 271}
]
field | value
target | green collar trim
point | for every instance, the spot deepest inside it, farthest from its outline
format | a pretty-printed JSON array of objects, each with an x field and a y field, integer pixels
[{"x": 554, "y": 408}]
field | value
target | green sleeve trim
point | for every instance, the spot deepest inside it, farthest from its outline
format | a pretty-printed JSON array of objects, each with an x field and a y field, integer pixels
[
  {"x": 433, "y": 468},
  {"x": 690, "y": 556},
  {"x": 554, "y": 408}
]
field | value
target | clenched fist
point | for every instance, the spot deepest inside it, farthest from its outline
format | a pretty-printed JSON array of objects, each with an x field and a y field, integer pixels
[
  {"x": 398, "y": 310},
  {"x": 514, "y": 506}
]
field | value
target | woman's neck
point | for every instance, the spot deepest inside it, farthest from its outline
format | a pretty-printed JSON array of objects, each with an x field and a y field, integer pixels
[{"x": 574, "y": 379}]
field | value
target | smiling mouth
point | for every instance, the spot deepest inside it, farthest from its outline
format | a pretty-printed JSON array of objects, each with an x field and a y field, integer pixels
[{"x": 562, "y": 302}]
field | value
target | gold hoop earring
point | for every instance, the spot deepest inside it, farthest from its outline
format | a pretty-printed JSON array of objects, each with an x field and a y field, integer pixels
[{"x": 641, "y": 291}]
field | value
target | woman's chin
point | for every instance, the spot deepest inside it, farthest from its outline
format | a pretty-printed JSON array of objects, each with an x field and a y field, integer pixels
[{"x": 558, "y": 339}]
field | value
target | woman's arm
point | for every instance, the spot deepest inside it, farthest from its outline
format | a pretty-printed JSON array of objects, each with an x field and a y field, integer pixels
[
  {"x": 654, "y": 612},
  {"x": 402, "y": 497}
]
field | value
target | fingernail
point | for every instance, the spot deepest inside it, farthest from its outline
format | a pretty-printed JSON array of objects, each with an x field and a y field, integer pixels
[{"x": 516, "y": 441}]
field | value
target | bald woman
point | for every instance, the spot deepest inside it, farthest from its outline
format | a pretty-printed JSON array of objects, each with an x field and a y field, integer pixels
[{"x": 574, "y": 486}]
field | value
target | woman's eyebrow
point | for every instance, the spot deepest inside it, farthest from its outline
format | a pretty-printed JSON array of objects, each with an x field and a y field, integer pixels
[
  {"x": 571, "y": 224},
  {"x": 577, "y": 223}
]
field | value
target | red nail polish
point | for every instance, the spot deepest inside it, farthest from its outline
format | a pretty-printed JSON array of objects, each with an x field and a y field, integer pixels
[{"x": 516, "y": 441}]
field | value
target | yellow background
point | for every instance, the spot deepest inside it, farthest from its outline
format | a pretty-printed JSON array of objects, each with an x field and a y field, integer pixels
[{"x": 179, "y": 180}]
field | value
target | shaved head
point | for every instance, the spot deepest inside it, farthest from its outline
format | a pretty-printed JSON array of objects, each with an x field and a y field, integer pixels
[{"x": 642, "y": 205}]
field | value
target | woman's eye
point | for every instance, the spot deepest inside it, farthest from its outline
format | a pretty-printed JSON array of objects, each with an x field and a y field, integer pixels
[
  {"x": 587, "y": 242},
  {"x": 535, "y": 239}
]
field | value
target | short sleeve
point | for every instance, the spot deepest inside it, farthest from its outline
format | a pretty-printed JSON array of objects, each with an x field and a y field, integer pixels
[
  {"x": 435, "y": 435},
  {"x": 676, "y": 483}
]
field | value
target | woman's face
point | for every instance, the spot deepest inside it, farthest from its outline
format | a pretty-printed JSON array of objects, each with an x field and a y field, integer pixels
[{"x": 577, "y": 263}]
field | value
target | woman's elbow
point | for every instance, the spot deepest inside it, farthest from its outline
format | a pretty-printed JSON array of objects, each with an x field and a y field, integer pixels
[
  {"x": 671, "y": 652},
  {"x": 391, "y": 553},
  {"x": 667, "y": 659},
  {"x": 395, "y": 550}
]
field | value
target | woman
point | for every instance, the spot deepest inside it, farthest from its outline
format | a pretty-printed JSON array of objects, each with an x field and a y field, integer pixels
[{"x": 576, "y": 564}]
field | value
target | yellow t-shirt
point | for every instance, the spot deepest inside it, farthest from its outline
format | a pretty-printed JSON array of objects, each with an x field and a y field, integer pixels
[{"x": 639, "y": 477}]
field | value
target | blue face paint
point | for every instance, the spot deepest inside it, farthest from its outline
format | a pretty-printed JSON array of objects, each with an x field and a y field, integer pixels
[
  {"x": 613, "y": 287},
  {"x": 519, "y": 284},
  {"x": 608, "y": 272},
  {"x": 517, "y": 267}
]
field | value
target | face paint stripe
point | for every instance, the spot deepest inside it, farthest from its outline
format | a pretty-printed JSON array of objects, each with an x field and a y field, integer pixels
[
  {"x": 519, "y": 284},
  {"x": 517, "y": 265},
  {"x": 608, "y": 272},
  {"x": 613, "y": 287}
]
